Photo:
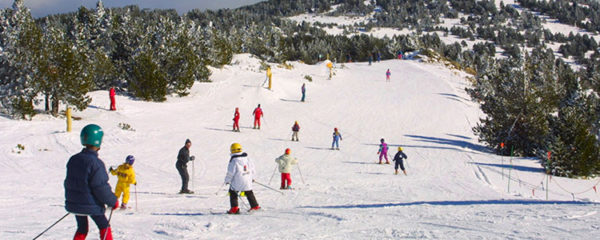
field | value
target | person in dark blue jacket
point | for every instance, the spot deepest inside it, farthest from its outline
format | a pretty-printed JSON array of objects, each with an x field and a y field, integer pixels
[
  {"x": 398, "y": 159},
  {"x": 86, "y": 185}
]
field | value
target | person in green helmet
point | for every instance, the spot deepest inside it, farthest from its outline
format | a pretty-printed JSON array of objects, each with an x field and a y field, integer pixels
[{"x": 87, "y": 191}]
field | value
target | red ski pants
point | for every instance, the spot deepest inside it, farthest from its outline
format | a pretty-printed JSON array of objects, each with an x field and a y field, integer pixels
[
  {"x": 257, "y": 122},
  {"x": 286, "y": 177},
  {"x": 112, "y": 103}
]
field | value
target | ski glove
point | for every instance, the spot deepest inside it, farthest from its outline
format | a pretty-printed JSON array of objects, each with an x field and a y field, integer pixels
[
  {"x": 110, "y": 169},
  {"x": 116, "y": 205},
  {"x": 192, "y": 158}
]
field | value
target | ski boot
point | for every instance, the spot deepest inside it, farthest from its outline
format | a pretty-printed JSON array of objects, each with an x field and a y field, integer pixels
[
  {"x": 123, "y": 206},
  {"x": 254, "y": 209},
  {"x": 234, "y": 210}
]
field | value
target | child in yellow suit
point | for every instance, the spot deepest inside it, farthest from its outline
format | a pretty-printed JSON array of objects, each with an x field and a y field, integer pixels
[{"x": 126, "y": 176}]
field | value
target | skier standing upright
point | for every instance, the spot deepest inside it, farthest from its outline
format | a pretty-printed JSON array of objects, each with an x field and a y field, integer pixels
[
  {"x": 240, "y": 176},
  {"x": 303, "y": 89},
  {"x": 383, "y": 149},
  {"x": 295, "y": 130},
  {"x": 388, "y": 75},
  {"x": 112, "y": 93},
  {"x": 337, "y": 136},
  {"x": 236, "y": 120},
  {"x": 398, "y": 159},
  {"x": 258, "y": 113},
  {"x": 285, "y": 163},
  {"x": 183, "y": 157},
  {"x": 126, "y": 176},
  {"x": 86, "y": 185}
]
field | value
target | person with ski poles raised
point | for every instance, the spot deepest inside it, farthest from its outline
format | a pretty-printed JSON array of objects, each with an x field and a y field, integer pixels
[
  {"x": 258, "y": 113},
  {"x": 398, "y": 159},
  {"x": 126, "y": 176},
  {"x": 240, "y": 176},
  {"x": 236, "y": 120},
  {"x": 183, "y": 157},
  {"x": 383, "y": 151},
  {"x": 285, "y": 163},
  {"x": 295, "y": 130},
  {"x": 87, "y": 190},
  {"x": 337, "y": 136}
]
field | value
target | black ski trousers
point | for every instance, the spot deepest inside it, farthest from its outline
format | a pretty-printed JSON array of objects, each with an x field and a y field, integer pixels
[
  {"x": 185, "y": 177},
  {"x": 233, "y": 198},
  {"x": 82, "y": 222}
]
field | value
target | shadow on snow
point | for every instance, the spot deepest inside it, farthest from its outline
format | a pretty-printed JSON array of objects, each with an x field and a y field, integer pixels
[
  {"x": 515, "y": 167},
  {"x": 455, "y": 203}
]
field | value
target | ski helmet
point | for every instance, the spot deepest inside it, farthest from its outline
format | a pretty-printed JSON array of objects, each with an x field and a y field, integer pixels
[
  {"x": 91, "y": 135},
  {"x": 335, "y": 129},
  {"x": 288, "y": 151},
  {"x": 130, "y": 159},
  {"x": 399, "y": 149},
  {"x": 236, "y": 148}
]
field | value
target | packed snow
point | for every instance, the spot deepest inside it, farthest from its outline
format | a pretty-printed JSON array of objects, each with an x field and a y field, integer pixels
[{"x": 455, "y": 188}]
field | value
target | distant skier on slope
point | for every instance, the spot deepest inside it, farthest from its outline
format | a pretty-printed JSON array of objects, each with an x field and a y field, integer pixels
[
  {"x": 112, "y": 94},
  {"x": 183, "y": 157},
  {"x": 337, "y": 136},
  {"x": 398, "y": 159},
  {"x": 258, "y": 113},
  {"x": 86, "y": 185},
  {"x": 240, "y": 176},
  {"x": 303, "y": 89},
  {"x": 295, "y": 130},
  {"x": 285, "y": 163},
  {"x": 383, "y": 149},
  {"x": 236, "y": 120},
  {"x": 126, "y": 176},
  {"x": 388, "y": 75}
]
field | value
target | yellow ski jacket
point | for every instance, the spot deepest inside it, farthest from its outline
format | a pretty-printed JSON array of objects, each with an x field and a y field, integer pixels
[{"x": 125, "y": 173}]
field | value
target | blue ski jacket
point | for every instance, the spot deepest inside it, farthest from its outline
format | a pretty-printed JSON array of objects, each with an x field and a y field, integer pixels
[{"x": 86, "y": 185}]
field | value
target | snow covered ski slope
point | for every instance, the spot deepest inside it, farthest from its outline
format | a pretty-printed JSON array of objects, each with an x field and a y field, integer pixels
[{"x": 455, "y": 189}]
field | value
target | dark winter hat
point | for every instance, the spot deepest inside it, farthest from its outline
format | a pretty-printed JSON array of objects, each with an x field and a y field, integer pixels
[
  {"x": 188, "y": 141},
  {"x": 382, "y": 140}
]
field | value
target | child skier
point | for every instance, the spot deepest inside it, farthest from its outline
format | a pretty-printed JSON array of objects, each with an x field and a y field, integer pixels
[
  {"x": 285, "y": 163},
  {"x": 112, "y": 94},
  {"x": 86, "y": 185},
  {"x": 240, "y": 174},
  {"x": 295, "y": 130},
  {"x": 383, "y": 149},
  {"x": 236, "y": 120},
  {"x": 398, "y": 159},
  {"x": 388, "y": 74},
  {"x": 258, "y": 113},
  {"x": 126, "y": 176},
  {"x": 337, "y": 136}
]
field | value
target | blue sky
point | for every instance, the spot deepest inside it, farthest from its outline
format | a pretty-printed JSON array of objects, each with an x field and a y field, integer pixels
[{"x": 40, "y": 8}]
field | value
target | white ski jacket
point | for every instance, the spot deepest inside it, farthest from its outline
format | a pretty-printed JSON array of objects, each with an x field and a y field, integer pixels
[
  {"x": 240, "y": 172},
  {"x": 285, "y": 163}
]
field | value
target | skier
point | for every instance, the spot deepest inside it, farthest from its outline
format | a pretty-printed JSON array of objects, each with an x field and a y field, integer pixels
[
  {"x": 295, "y": 130},
  {"x": 337, "y": 136},
  {"x": 398, "y": 159},
  {"x": 378, "y": 57},
  {"x": 383, "y": 149},
  {"x": 258, "y": 113},
  {"x": 285, "y": 163},
  {"x": 86, "y": 185},
  {"x": 111, "y": 94},
  {"x": 240, "y": 176},
  {"x": 236, "y": 120},
  {"x": 388, "y": 74},
  {"x": 182, "y": 159},
  {"x": 399, "y": 55},
  {"x": 370, "y": 58},
  {"x": 126, "y": 176},
  {"x": 303, "y": 91}
]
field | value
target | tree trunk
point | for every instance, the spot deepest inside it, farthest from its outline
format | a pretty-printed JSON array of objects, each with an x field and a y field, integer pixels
[
  {"x": 47, "y": 102},
  {"x": 55, "y": 106}
]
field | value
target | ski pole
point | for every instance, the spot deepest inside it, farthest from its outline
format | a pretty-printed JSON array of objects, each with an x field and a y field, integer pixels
[
  {"x": 63, "y": 217},
  {"x": 135, "y": 191},
  {"x": 269, "y": 187},
  {"x": 218, "y": 190},
  {"x": 242, "y": 200},
  {"x": 301, "y": 177},
  {"x": 109, "y": 217},
  {"x": 272, "y": 175}
]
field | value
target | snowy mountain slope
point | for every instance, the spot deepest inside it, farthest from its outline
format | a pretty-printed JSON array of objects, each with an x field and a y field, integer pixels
[{"x": 455, "y": 189}]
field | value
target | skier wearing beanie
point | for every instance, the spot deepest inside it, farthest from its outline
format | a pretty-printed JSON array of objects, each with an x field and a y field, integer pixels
[
  {"x": 126, "y": 176},
  {"x": 398, "y": 159},
  {"x": 337, "y": 136},
  {"x": 240, "y": 176},
  {"x": 182, "y": 159},
  {"x": 86, "y": 185},
  {"x": 383, "y": 149},
  {"x": 258, "y": 113},
  {"x": 285, "y": 163}
]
